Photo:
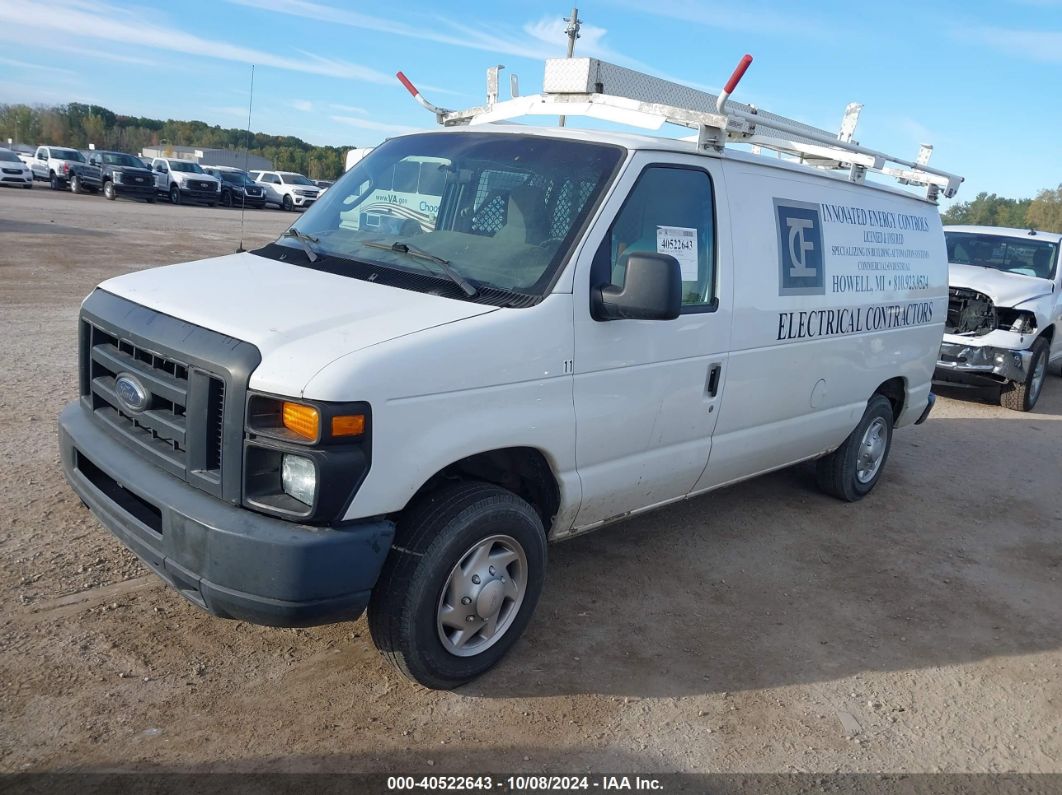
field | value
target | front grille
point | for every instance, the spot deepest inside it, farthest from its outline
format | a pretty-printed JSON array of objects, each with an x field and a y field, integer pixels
[
  {"x": 176, "y": 392},
  {"x": 306, "y": 193},
  {"x": 12, "y": 170},
  {"x": 190, "y": 422},
  {"x": 200, "y": 185}
]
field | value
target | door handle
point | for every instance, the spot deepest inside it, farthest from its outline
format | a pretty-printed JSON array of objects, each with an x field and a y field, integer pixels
[{"x": 711, "y": 388}]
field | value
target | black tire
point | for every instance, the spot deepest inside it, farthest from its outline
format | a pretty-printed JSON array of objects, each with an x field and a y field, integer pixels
[
  {"x": 838, "y": 473},
  {"x": 75, "y": 184},
  {"x": 175, "y": 194},
  {"x": 1023, "y": 396},
  {"x": 54, "y": 182},
  {"x": 226, "y": 199},
  {"x": 288, "y": 204},
  {"x": 28, "y": 185},
  {"x": 150, "y": 199},
  {"x": 212, "y": 204},
  {"x": 433, "y": 536}
]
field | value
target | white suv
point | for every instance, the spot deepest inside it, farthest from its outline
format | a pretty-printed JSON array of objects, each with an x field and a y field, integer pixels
[
  {"x": 1004, "y": 323},
  {"x": 287, "y": 189}
]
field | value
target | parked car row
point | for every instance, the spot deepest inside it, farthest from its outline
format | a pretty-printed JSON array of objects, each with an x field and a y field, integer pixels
[{"x": 116, "y": 174}]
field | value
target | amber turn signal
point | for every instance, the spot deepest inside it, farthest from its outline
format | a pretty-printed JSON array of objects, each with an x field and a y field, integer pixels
[
  {"x": 302, "y": 420},
  {"x": 348, "y": 425}
]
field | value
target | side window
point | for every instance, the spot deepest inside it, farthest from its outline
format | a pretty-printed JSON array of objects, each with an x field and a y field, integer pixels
[
  {"x": 669, "y": 211},
  {"x": 273, "y": 179}
]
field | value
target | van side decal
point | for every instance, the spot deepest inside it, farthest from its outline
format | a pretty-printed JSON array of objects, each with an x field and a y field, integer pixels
[{"x": 800, "y": 255}]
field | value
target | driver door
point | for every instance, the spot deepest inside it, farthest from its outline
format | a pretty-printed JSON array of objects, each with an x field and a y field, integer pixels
[{"x": 647, "y": 392}]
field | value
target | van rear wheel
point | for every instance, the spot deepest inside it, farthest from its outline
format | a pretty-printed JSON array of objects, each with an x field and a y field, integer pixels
[
  {"x": 460, "y": 585},
  {"x": 853, "y": 469}
]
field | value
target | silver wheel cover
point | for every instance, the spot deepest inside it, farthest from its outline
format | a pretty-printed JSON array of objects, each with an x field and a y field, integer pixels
[{"x": 482, "y": 596}]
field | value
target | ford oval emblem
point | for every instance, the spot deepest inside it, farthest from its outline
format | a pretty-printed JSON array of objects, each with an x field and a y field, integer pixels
[{"x": 131, "y": 393}]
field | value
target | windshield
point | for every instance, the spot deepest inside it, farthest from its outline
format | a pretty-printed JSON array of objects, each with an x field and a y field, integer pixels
[
  {"x": 185, "y": 165},
  {"x": 9, "y": 157},
  {"x": 119, "y": 159},
  {"x": 68, "y": 154},
  {"x": 295, "y": 179},
  {"x": 236, "y": 177},
  {"x": 1025, "y": 255},
  {"x": 502, "y": 210}
]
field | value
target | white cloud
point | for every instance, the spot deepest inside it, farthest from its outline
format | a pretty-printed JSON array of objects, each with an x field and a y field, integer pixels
[
  {"x": 730, "y": 15},
  {"x": 35, "y": 67},
  {"x": 458, "y": 35},
  {"x": 349, "y": 109},
  {"x": 110, "y": 23},
  {"x": 302, "y": 104},
  {"x": 388, "y": 128},
  {"x": 550, "y": 31},
  {"x": 1036, "y": 45},
  {"x": 104, "y": 55}
]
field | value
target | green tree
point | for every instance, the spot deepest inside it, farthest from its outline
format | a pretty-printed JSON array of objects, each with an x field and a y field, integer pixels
[
  {"x": 1045, "y": 211},
  {"x": 988, "y": 209}
]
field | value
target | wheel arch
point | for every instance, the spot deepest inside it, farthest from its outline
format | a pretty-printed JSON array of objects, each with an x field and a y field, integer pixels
[
  {"x": 525, "y": 471},
  {"x": 895, "y": 391}
]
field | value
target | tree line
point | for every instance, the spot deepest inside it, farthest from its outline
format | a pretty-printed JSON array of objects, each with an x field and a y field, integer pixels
[
  {"x": 987, "y": 209},
  {"x": 77, "y": 125}
]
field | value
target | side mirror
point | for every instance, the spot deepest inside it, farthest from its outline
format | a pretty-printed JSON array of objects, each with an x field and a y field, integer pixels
[{"x": 652, "y": 290}]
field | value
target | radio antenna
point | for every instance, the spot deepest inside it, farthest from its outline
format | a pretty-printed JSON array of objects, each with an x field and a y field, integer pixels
[
  {"x": 572, "y": 32},
  {"x": 246, "y": 159}
]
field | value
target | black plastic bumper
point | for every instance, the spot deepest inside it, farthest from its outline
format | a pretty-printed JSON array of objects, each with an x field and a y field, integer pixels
[
  {"x": 230, "y": 561},
  {"x": 202, "y": 196},
  {"x": 145, "y": 191}
]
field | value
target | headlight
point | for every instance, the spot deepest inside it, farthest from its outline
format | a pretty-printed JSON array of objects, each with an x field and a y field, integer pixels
[
  {"x": 1017, "y": 320},
  {"x": 304, "y": 460},
  {"x": 117, "y": 176},
  {"x": 299, "y": 478}
]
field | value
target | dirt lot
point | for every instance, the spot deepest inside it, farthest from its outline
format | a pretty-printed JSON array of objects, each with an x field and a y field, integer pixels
[{"x": 762, "y": 628}]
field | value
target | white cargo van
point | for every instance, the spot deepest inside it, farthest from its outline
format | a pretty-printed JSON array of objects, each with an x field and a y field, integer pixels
[{"x": 396, "y": 411}]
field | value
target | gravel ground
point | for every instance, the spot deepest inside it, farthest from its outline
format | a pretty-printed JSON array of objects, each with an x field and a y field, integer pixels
[{"x": 762, "y": 628}]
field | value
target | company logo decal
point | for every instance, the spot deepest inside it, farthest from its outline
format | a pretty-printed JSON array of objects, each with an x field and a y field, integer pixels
[
  {"x": 131, "y": 393},
  {"x": 800, "y": 255}
]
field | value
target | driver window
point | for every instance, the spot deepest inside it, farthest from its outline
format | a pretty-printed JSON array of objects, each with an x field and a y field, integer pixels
[{"x": 669, "y": 211}]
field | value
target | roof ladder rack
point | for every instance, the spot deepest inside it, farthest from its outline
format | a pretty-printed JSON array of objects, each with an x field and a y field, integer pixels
[{"x": 597, "y": 89}]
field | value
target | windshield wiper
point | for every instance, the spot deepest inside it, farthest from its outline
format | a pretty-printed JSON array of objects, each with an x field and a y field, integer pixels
[
  {"x": 404, "y": 248},
  {"x": 306, "y": 240}
]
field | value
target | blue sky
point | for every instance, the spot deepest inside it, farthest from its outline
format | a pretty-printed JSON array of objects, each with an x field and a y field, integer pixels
[{"x": 981, "y": 80}]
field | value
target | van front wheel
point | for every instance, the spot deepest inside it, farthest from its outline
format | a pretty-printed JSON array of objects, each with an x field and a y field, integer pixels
[
  {"x": 460, "y": 585},
  {"x": 853, "y": 469}
]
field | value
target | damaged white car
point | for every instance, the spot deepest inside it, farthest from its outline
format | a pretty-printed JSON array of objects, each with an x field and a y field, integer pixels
[{"x": 1004, "y": 324}]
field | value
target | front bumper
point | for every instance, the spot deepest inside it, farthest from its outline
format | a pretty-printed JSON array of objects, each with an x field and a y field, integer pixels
[
  {"x": 142, "y": 191},
  {"x": 242, "y": 200},
  {"x": 303, "y": 201},
  {"x": 232, "y": 562},
  {"x": 977, "y": 365},
  {"x": 205, "y": 196}
]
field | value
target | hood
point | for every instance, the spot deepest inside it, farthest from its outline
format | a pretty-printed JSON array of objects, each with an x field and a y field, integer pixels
[
  {"x": 182, "y": 175},
  {"x": 300, "y": 319},
  {"x": 1005, "y": 289},
  {"x": 132, "y": 170}
]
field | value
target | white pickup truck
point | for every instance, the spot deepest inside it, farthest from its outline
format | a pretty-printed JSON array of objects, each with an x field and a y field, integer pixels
[
  {"x": 184, "y": 181},
  {"x": 532, "y": 333},
  {"x": 1004, "y": 326},
  {"x": 60, "y": 167}
]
